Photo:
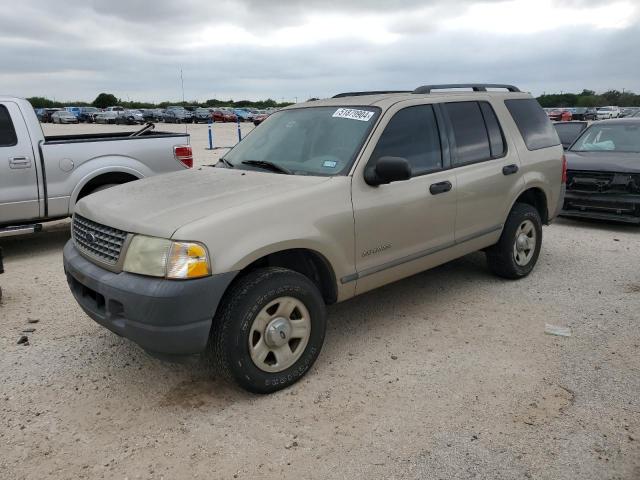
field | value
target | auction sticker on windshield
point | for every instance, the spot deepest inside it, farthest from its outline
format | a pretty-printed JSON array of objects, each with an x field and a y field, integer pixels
[{"x": 353, "y": 114}]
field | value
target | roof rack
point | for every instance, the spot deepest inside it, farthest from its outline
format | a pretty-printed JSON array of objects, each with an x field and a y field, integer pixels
[
  {"x": 477, "y": 87},
  {"x": 375, "y": 92}
]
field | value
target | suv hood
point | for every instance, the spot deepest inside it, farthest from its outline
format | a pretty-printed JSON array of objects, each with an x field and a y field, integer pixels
[
  {"x": 159, "y": 205},
  {"x": 604, "y": 161}
]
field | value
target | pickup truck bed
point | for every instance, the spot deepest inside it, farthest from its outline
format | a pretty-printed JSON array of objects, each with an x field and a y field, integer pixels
[{"x": 42, "y": 177}]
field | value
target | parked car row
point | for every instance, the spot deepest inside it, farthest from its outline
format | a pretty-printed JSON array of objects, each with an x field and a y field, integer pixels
[
  {"x": 172, "y": 114},
  {"x": 589, "y": 113}
]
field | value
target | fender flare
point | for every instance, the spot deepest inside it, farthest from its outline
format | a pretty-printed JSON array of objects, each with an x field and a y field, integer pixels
[
  {"x": 526, "y": 188},
  {"x": 96, "y": 173}
]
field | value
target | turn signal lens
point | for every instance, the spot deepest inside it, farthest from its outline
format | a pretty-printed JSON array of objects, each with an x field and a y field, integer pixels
[
  {"x": 564, "y": 169},
  {"x": 188, "y": 260}
]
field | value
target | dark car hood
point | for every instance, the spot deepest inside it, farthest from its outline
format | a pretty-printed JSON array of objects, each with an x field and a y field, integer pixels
[{"x": 604, "y": 161}]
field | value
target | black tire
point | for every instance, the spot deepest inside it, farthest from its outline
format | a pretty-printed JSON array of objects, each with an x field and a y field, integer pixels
[
  {"x": 501, "y": 258},
  {"x": 229, "y": 340}
]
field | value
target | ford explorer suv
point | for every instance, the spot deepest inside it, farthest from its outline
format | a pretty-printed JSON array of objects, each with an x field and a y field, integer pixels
[
  {"x": 323, "y": 201},
  {"x": 42, "y": 177}
]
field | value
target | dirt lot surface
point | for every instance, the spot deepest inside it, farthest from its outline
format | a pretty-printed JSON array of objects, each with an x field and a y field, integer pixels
[{"x": 447, "y": 374}]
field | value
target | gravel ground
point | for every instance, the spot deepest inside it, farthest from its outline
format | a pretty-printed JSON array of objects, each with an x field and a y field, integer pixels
[{"x": 447, "y": 374}]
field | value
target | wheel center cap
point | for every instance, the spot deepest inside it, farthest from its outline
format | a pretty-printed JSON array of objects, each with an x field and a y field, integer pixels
[
  {"x": 278, "y": 332},
  {"x": 522, "y": 243}
]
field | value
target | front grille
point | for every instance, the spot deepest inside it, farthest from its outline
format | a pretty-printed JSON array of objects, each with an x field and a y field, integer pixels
[
  {"x": 589, "y": 181},
  {"x": 603, "y": 182},
  {"x": 98, "y": 241}
]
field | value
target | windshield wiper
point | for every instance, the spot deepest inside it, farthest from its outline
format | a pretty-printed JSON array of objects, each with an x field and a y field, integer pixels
[
  {"x": 226, "y": 162},
  {"x": 266, "y": 165}
]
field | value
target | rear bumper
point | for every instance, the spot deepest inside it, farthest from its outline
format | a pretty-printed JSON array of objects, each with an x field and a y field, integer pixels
[
  {"x": 162, "y": 316},
  {"x": 621, "y": 208}
]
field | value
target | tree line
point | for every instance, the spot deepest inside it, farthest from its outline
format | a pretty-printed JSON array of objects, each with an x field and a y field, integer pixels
[
  {"x": 586, "y": 98},
  {"x": 589, "y": 98},
  {"x": 105, "y": 100}
]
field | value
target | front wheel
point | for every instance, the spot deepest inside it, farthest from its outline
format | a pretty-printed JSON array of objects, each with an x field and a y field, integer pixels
[
  {"x": 517, "y": 251},
  {"x": 269, "y": 329}
]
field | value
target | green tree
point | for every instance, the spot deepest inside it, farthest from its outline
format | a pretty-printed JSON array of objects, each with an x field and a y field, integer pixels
[
  {"x": 591, "y": 101},
  {"x": 612, "y": 96},
  {"x": 41, "y": 102},
  {"x": 105, "y": 100}
]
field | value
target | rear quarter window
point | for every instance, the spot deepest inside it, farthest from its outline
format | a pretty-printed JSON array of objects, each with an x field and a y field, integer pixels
[
  {"x": 8, "y": 136},
  {"x": 534, "y": 125}
]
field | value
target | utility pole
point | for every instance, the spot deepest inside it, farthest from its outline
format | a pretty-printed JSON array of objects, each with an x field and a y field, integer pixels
[{"x": 182, "y": 85}]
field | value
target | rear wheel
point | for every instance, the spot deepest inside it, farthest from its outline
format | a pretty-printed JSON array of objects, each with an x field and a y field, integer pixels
[
  {"x": 269, "y": 329},
  {"x": 517, "y": 251}
]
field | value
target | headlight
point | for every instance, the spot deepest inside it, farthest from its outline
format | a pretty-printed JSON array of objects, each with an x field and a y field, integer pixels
[{"x": 159, "y": 257}]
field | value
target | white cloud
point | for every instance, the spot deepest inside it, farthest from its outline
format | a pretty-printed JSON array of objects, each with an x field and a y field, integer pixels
[
  {"x": 524, "y": 17},
  {"x": 287, "y": 48}
]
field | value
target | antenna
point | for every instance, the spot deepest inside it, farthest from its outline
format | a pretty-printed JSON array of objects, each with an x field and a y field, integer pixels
[{"x": 186, "y": 130}]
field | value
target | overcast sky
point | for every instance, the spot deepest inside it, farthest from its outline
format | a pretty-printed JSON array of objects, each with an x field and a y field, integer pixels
[{"x": 283, "y": 49}]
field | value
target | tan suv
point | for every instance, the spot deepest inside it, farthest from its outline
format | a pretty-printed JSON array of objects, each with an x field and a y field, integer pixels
[{"x": 323, "y": 201}]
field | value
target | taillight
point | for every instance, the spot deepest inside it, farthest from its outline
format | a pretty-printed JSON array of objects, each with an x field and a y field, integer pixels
[
  {"x": 564, "y": 169},
  {"x": 184, "y": 155}
]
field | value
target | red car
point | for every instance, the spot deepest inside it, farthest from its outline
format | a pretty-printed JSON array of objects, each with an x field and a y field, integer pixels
[
  {"x": 258, "y": 119},
  {"x": 223, "y": 116},
  {"x": 558, "y": 115}
]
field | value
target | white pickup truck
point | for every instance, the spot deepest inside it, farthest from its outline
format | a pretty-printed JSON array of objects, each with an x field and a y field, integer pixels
[{"x": 42, "y": 177}]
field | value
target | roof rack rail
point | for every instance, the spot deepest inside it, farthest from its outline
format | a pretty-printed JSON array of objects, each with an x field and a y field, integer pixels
[
  {"x": 477, "y": 87},
  {"x": 374, "y": 92}
]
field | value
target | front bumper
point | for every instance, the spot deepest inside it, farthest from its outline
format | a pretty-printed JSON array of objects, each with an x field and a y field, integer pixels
[
  {"x": 617, "y": 207},
  {"x": 170, "y": 317}
]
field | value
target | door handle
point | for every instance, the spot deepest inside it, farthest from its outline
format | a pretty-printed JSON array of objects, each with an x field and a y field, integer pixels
[
  {"x": 510, "y": 169},
  {"x": 19, "y": 162},
  {"x": 440, "y": 187}
]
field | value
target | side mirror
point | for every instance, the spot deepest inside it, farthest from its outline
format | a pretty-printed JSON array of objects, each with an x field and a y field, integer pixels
[{"x": 385, "y": 170}]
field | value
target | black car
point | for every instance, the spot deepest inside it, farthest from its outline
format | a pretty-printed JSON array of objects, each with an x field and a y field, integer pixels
[
  {"x": 152, "y": 114},
  {"x": 603, "y": 172},
  {"x": 87, "y": 114},
  {"x": 201, "y": 115},
  {"x": 45, "y": 115},
  {"x": 584, "y": 113},
  {"x": 569, "y": 131}
]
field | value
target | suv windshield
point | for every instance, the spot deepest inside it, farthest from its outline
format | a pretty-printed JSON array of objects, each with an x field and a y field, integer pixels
[
  {"x": 308, "y": 141},
  {"x": 569, "y": 131},
  {"x": 612, "y": 138}
]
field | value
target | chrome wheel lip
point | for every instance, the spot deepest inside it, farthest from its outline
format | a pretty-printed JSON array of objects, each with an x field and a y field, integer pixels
[
  {"x": 289, "y": 316},
  {"x": 525, "y": 243}
]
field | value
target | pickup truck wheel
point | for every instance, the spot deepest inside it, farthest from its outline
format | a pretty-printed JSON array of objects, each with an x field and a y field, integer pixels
[
  {"x": 269, "y": 329},
  {"x": 517, "y": 251}
]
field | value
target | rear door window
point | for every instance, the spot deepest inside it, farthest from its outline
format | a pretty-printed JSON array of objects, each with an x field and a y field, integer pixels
[
  {"x": 470, "y": 132},
  {"x": 8, "y": 137},
  {"x": 533, "y": 123},
  {"x": 413, "y": 134}
]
